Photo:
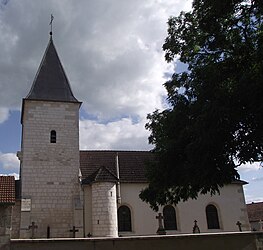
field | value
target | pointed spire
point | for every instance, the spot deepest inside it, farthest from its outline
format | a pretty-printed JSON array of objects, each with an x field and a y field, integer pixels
[{"x": 51, "y": 82}]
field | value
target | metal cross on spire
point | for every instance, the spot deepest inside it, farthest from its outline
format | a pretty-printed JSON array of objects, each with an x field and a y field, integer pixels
[{"x": 51, "y": 20}]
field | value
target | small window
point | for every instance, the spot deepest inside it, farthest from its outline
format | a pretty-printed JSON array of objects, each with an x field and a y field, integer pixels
[
  {"x": 212, "y": 217},
  {"x": 124, "y": 219},
  {"x": 53, "y": 136},
  {"x": 169, "y": 218}
]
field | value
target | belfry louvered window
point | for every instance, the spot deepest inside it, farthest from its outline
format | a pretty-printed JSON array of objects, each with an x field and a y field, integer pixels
[{"x": 53, "y": 136}]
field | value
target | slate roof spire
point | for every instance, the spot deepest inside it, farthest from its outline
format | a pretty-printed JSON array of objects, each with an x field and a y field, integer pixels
[{"x": 51, "y": 82}]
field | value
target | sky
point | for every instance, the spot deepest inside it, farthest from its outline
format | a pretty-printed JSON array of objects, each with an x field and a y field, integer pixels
[{"x": 112, "y": 54}]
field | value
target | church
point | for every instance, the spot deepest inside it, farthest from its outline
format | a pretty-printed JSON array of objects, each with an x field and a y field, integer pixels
[{"x": 64, "y": 192}]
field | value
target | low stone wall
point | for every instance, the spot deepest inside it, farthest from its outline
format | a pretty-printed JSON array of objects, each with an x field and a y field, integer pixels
[
  {"x": 4, "y": 242},
  {"x": 16, "y": 214},
  {"x": 217, "y": 241}
]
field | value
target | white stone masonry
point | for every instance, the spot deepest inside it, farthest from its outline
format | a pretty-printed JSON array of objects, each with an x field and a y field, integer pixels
[
  {"x": 49, "y": 171},
  {"x": 104, "y": 210}
]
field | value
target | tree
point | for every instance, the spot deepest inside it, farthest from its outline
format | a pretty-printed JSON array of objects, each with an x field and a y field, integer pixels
[{"x": 215, "y": 119}]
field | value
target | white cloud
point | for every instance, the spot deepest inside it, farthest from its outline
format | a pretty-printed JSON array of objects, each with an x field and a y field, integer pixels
[
  {"x": 9, "y": 161},
  {"x": 11, "y": 174},
  {"x": 249, "y": 167},
  {"x": 4, "y": 114},
  {"x": 121, "y": 135},
  {"x": 111, "y": 51},
  {"x": 258, "y": 179},
  {"x": 112, "y": 55},
  {"x": 253, "y": 198}
]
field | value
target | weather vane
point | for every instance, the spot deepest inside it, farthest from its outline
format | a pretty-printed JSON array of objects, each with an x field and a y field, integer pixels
[{"x": 51, "y": 20}]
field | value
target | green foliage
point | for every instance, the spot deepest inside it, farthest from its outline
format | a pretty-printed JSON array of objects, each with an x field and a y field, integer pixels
[{"x": 215, "y": 122}]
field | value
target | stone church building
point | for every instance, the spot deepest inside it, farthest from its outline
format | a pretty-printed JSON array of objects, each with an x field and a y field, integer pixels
[{"x": 65, "y": 192}]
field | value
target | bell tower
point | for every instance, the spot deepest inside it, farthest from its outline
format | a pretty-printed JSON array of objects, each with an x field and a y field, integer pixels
[{"x": 50, "y": 188}]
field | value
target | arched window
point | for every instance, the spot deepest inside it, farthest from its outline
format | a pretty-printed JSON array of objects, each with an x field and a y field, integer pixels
[
  {"x": 212, "y": 217},
  {"x": 124, "y": 219},
  {"x": 169, "y": 216},
  {"x": 53, "y": 136}
]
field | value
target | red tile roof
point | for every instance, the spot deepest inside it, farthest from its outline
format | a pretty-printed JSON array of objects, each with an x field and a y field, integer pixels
[
  {"x": 7, "y": 189},
  {"x": 131, "y": 164},
  {"x": 255, "y": 211}
]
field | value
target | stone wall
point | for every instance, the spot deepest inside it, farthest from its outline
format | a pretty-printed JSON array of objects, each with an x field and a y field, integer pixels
[
  {"x": 233, "y": 241},
  {"x": 104, "y": 209},
  {"x": 5, "y": 219},
  {"x": 5, "y": 226},
  {"x": 4, "y": 242},
  {"x": 49, "y": 171},
  {"x": 16, "y": 213}
]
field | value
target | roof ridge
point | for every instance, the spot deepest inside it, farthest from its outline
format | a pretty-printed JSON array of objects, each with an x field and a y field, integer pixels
[{"x": 255, "y": 203}]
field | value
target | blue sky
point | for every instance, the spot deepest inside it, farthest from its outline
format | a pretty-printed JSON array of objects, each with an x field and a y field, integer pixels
[{"x": 112, "y": 54}]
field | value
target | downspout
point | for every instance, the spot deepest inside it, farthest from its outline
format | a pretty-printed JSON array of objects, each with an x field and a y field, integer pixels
[
  {"x": 83, "y": 205},
  {"x": 118, "y": 180}
]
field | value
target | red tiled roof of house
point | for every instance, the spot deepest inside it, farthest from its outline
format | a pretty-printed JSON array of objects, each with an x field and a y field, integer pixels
[
  {"x": 255, "y": 211},
  {"x": 7, "y": 189},
  {"x": 131, "y": 164}
]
